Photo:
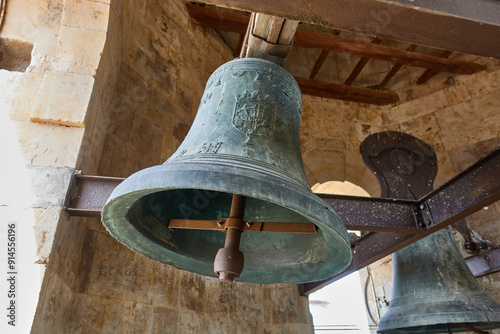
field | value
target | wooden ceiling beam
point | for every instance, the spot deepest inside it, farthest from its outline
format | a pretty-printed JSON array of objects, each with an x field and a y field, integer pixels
[
  {"x": 394, "y": 69},
  {"x": 319, "y": 62},
  {"x": 430, "y": 73},
  {"x": 360, "y": 65},
  {"x": 233, "y": 22},
  {"x": 321, "y": 59},
  {"x": 346, "y": 93},
  {"x": 459, "y": 25},
  {"x": 269, "y": 37},
  {"x": 222, "y": 20},
  {"x": 310, "y": 39}
]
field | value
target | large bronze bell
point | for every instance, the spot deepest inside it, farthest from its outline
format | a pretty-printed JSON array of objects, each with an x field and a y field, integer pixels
[
  {"x": 433, "y": 289},
  {"x": 245, "y": 140}
]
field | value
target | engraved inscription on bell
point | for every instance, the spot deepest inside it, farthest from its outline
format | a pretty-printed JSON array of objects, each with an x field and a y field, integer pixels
[{"x": 254, "y": 115}]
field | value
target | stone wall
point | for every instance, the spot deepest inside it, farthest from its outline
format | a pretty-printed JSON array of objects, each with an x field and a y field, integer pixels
[
  {"x": 45, "y": 95},
  {"x": 458, "y": 116},
  {"x": 154, "y": 67},
  {"x": 112, "y": 87}
]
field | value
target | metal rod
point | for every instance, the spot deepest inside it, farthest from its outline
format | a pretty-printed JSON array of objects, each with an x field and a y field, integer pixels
[
  {"x": 448, "y": 329},
  {"x": 233, "y": 234},
  {"x": 229, "y": 261}
]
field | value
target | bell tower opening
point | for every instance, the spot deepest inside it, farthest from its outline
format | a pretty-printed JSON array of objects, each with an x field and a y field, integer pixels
[{"x": 340, "y": 306}]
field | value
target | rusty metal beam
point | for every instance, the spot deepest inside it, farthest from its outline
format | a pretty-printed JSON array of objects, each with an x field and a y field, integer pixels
[
  {"x": 476, "y": 187},
  {"x": 484, "y": 263},
  {"x": 220, "y": 225},
  {"x": 458, "y": 25},
  {"x": 375, "y": 214},
  {"x": 469, "y": 191},
  {"x": 89, "y": 193}
]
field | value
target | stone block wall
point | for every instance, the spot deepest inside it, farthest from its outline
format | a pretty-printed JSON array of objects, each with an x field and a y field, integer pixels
[
  {"x": 112, "y": 87},
  {"x": 153, "y": 70},
  {"x": 44, "y": 98},
  {"x": 458, "y": 116}
]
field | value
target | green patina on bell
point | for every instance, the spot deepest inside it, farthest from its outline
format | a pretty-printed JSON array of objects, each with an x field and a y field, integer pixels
[
  {"x": 245, "y": 140},
  {"x": 434, "y": 288}
]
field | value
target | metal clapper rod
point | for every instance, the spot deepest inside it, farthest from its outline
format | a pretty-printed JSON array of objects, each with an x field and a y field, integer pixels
[{"x": 229, "y": 260}]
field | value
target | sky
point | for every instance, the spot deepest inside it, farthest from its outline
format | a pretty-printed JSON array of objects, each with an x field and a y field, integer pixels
[
  {"x": 15, "y": 209},
  {"x": 339, "y": 307}
]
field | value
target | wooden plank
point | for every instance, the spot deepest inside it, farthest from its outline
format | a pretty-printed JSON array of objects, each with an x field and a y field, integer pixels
[
  {"x": 360, "y": 65},
  {"x": 219, "y": 225},
  {"x": 288, "y": 32},
  {"x": 346, "y": 93},
  {"x": 262, "y": 25},
  {"x": 229, "y": 21},
  {"x": 460, "y": 25},
  {"x": 330, "y": 42},
  {"x": 395, "y": 68},
  {"x": 319, "y": 62},
  {"x": 321, "y": 59},
  {"x": 430, "y": 73},
  {"x": 222, "y": 20},
  {"x": 237, "y": 50}
]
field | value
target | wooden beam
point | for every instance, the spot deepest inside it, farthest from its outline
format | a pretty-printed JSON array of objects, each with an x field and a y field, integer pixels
[
  {"x": 346, "y": 93},
  {"x": 360, "y": 65},
  {"x": 230, "y": 21},
  {"x": 319, "y": 62},
  {"x": 459, "y": 25},
  {"x": 237, "y": 49},
  {"x": 394, "y": 69},
  {"x": 270, "y": 37},
  {"x": 220, "y": 225},
  {"x": 331, "y": 42},
  {"x": 222, "y": 20},
  {"x": 430, "y": 73},
  {"x": 321, "y": 59}
]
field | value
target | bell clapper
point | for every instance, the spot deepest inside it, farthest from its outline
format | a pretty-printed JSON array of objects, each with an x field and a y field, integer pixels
[{"x": 229, "y": 261}]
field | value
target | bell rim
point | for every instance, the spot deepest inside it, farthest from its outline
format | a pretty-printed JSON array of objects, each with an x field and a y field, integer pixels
[{"x": 332, "y": 229}]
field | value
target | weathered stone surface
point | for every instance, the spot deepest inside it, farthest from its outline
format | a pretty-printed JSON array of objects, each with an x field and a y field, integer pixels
[
  {"x": 63, "y": 99},
  {"x": 46, "y": 144},
  {"x": 465, "y": 156},
  {"x": 45, "y": 229},
  {"x": 79, "y": 50},
  {"x": 49, "y": 185},
  {"x": 91, "y": 15},
  {"x": 130, "y": 75}
]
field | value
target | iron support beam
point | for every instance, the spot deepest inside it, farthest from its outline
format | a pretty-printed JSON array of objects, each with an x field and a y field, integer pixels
[
  {"x": 397, "y": 223},
  {"x": 476, "y": 187},
  {"x": 458, "y": 25},
  {"x": 484, "y": 263},
  {"x": 89, "y": 193},
  {"x": 375, "y": 214}
]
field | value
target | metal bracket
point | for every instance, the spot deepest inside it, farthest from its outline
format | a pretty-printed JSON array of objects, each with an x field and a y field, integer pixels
[{"x": 424, "y": 216}]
